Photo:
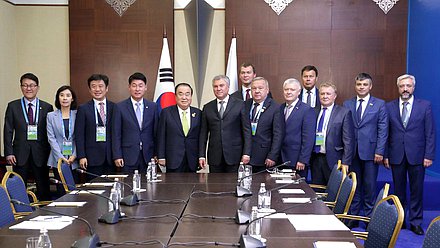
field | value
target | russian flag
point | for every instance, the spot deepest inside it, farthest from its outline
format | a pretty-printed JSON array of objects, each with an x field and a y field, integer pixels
[
  {"x": 231, "y": 69},
  {"x": 164, "y": 92}
]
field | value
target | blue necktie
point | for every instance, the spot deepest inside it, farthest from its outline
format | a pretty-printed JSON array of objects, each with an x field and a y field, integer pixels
[
  {"x": 320, "y": 126},
  {"x": 359, "y": 111},
  {"x": 138, "y": 114}
]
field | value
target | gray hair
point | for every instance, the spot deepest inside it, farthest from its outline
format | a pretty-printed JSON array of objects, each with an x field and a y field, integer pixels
[
  {"x": 292, "y": 81},
  {"x": 222, "y": 77},
  {"x": 405, "y": 76},
  {"x": 261, "y": 79}
]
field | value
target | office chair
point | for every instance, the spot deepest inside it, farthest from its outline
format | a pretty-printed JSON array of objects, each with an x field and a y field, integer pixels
[
  {"x": 66, "y": 176},
  {"x": 7, "y": 214},
  {"x": 345, "y": 196},
  {"x": 432, "y": 236},
  {"x": 334, "y": 183}
]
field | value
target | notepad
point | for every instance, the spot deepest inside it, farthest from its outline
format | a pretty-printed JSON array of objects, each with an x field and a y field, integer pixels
[
  {"x": 50, "y": 222},
  {"x": 281, "y": 175},
  {"x": 291, "y": 191},
  {"x": 92, "y": 191},
  {"x": 333, "y": 244},
  {"x": 115, "y": 176},
  {"x": 312, "y": 222},
  {"x": 285, "y": 181},
  {"x": 109, "y": 184},
  {"x": 67, "y": 204},
  {"x": 296, "y": 200}
]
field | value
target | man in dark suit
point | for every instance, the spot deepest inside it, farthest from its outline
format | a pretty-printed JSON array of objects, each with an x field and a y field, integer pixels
[
  {"x": 371, "y": 133},
  {"x": 411, "y": 147},
  {"x": 299, "y": 122},
  {"x": 93, "y": 129},
  {"x": 266, "y": 127},
  {"x": 310, "y": 94},
  {"x": 334, "y": 136},
  {"x": 246, "y": 74},
  {"x": 225, "y": 125},
  {"x": 134, "y": 127},
  {"x": 25, "y": 136},
  {"x": 178, "y": 133}
]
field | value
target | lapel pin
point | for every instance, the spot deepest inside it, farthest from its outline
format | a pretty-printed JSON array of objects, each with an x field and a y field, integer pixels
[
  {"x": 371, "y": 104},
  {"x": 193, "y": 115}
]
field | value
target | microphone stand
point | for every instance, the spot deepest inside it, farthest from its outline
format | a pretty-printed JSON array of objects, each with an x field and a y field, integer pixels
[
  {"x": 111, "y": 217},
  {"x": 241, "y": 191},
  {"x": 90, "y": 241},
  {"x": 247, "y": 241},
  {"x": 129, "y": 200},
  {"x": 242, "y": 217}
]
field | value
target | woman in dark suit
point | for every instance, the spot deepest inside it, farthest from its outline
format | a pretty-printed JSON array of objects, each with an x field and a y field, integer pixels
[{"x": 60, "y": 130}]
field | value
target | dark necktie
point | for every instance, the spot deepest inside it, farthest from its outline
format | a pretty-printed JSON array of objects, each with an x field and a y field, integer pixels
[
  {"x": 254, "y": 112},
  {"x": 309, "y": 98},
  {"x": 247, "y": 94},
  {"x": 222, "y": 109},
  {"x": 320, "y": 126},
  {"x": 30, "y": 114},
  {"x": 359, "y": 111},
  {"x": 405, "y": 114},
  {"x": 287, "y": 112}
]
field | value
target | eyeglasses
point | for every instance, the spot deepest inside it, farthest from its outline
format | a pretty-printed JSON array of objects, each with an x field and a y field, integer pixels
[{"x": 29, "y": 86}]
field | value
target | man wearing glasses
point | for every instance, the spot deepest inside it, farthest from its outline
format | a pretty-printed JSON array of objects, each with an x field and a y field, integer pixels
[{"x": 25, "y": 138}]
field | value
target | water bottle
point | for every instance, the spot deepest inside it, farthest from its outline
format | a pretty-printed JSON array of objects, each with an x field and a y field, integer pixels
[
  {"x": 267, "y": 200},
  {"x": 247, "y": 182},
  {"x": 114, "y": 197},
  {"x": 44, "y": 240},
  {"x": 240, "y": 171},
  {"x": 119, "y": 188},
  {"x": 149, "y": 168},
  {"x": 255, "y": 227},
  {"x": 136, "y": 181},
  {"x": 153, "y": 170},
  {"x": 261, "y": 195}
]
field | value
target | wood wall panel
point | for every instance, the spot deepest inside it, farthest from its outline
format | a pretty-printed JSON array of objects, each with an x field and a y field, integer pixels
[
  {"x": 340, "y": 37},
  {"x": 103, "y": 42}
]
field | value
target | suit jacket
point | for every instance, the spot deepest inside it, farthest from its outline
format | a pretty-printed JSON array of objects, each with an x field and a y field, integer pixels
[
  {"x": 339, "y": 140},
  {"x": 230, "y": 135},
  {"x": 317, "y": 101},
  {"x": 239, "y": 94},
  {"x": 97, "y": 153},
  {"x": 417, "y": 140},
  {"x": 371, "y": 133},
  {"x": 127, "y": 136},
  {"x": 55, "y": 135},
  {"x": 299, "y": 133},
  {"x": 266, "y": 143},
  {"x": 15, "y": 134},
  {"x": 172, "y": 144}
]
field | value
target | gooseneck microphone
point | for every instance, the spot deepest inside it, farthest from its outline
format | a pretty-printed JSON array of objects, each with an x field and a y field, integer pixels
[
  {"x": 247, "y": 241},
  {"x": 129, "y": 200},
  {"x": 90, "y": 241},
  {"x": 111, "y": 217},
  {"x": 241, "y": 191},
  {"x": 242, "y": 217}
]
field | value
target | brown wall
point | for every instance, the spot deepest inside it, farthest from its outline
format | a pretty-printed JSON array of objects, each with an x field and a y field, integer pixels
[
  {"x": 103, "y": 42},
  {"x": 340, "y": 37}
]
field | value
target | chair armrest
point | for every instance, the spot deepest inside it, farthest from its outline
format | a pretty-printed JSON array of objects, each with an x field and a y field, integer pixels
[
  {"x": 40, "y": 203},
  {"x": 32, "y": 195},
  {"x": 353, "y": 217},
  {"x": 360, "y": 235},
  {"x": 317, "y": 186},
  {"x": 330, "y": 204}
]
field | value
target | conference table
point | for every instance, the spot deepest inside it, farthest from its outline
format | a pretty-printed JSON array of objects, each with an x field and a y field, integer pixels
[{"x": 182, "y": 208}]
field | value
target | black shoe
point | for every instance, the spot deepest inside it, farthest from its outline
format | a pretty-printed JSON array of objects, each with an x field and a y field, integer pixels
[{"x": 417, "y": 230}]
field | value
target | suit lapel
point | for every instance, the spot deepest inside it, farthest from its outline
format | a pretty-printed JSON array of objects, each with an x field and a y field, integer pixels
[
  {"x": 146, "y": 112},
  {"x": 294, "y": 110},
  {"x": 129, "y": 108},
  {"x": 414, "y": 110},
  {"x": 228, "y": 106},
  {"x": 176, "y": 116},
  {"x": 332, "y": 116},
  {"x": 193, "y": 118}
]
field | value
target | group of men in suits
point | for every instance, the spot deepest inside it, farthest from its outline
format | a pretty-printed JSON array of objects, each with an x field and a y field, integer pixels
[{"x": 308, "y": 129}]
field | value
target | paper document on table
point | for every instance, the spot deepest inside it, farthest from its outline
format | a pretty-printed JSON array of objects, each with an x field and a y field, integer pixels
[
  {"x": 311, "y": 222},
  {"x": 115, "y": 176},
  {"x": 50, "y": 222},
  {"x": 109, "y": 184},
  {"x": 285, "y": 181},
  {"x": 291, "y": 191},
  {"x": 67, "y": 204},
  {"x": 296, "y": 200},
  {"x": 91, "y": 191},
  {"x": 333, "y": 244},
  {"x": 287, "y": 170},
  {"x": 281, "y": 175},
  {"x": 273, "y": 216}
]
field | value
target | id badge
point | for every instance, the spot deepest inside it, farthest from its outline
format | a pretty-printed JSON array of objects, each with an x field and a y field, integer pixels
[
  {"x": 254, "y": 128},
  {"x": 100, "y": 134},
  {"x": 32, "y": 132},
  {"x": 319, "y": 141},
  {"x": 67, "y": 148}
]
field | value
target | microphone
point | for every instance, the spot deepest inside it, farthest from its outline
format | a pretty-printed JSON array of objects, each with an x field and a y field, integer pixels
[
  {"x": 247, "y": 241},
  {"x": 111, "y": 217},
  {"x": 130, "y": 200},
  {"x": 242, "y": 217},
  {"x": 241, "y": 191},
  {"x": 90, "y": 241}
]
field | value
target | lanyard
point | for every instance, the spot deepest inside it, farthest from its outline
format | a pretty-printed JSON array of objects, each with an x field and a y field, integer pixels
[
  {"x": 96, "y": 115},
  {"x": 37, "y": 111},
  {"x": 70, "y": 125},
  {"x": 257, "y": 115}
]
